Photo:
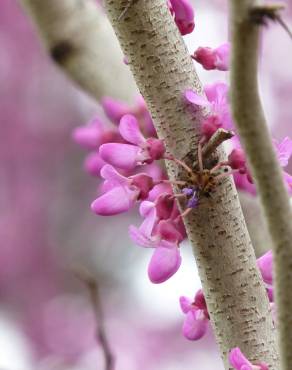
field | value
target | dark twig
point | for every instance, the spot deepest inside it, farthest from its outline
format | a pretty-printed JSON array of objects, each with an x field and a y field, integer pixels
[
  {"x": 261, "y": 14},
  {"x": 284, "y": 25},
  {"x": 101, "y": 335}
]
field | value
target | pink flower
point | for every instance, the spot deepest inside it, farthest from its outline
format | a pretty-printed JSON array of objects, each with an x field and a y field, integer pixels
[
  {"x": 213, "y": 58},
  {"x": 216, "y": 100},
  {"x": 158, "y": 225},
  {"x": 139, "y": 151},
  {"x": 166, "y": 258},
  {"x": 240, "y": 362},
  {"x": 122, "y": 192},
  {"x": 183, "y": 15},
  {"x": 197, "y": 317},
  {"x": 265, "y": 265}
]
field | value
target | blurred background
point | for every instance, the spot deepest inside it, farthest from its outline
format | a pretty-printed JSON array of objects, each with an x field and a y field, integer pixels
[{"x": 47, "y": 231}]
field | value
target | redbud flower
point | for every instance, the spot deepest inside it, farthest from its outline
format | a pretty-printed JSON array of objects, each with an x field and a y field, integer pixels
[
  {"x": 122, "y": 192},
  {"x": 139, "y": 151},
  {"x": 161, "y": 234},
  {"x": 240, "y": 362},
  {"x": 154, "y": 227},
  {"x": 183, "y": 15},
  {"x": 216, "y": 101},
  {"x": 166, "y": 258},
  {"x": 213, "y": 58},
  {"x": 197, "y": 317}
]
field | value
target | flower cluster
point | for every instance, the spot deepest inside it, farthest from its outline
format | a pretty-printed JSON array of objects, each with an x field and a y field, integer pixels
[
  {"x": 117, "y": 154},
  {"x": 124, "y": 185},
  {"x": 215, "y": 100}
]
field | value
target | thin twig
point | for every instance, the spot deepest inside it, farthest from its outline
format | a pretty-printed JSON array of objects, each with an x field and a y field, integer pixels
[
  {"x": 216, "y": 139},
  {"x": 284, "y": 25},
  {"x": 101, "y": 335}
]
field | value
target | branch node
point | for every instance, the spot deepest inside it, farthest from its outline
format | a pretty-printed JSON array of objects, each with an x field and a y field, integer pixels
[
  {"x": 261, "y": 14},
  {"x": 61, "y": 51}
]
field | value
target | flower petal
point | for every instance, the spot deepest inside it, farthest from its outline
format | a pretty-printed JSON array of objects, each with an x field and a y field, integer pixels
[
  {"x": 115, "y": 201},
  {"x": 93, "y": 164},
  {"x": 114, "y": 109},
  {"x": 130, "y": 131},
  {"x": 182, "y": 9},
  {"x": 217, "y": 93},
  {"x": 120, "y": 155},
  {"x": 183, "y": 15},
  {"x": 164, "y": 263},
  {"x": 89, "y": 136},
  {"x": 145, "y": 208},
  {"x": 265, "y": 264},
  {"x": 148, "y": 224},
  {"x": 140, "y": 238},
  {"x": 206, "y": 57},
  {"x": 194, "y": 98},
  {"x": 167, "y": 230},
  {"x": 238, "y": 360},
  {"x": 288, "y": 181},
  {"x": 185, "y": 304},
  {"x": 283, "y": 150},
  {"x": 222, "y": 57},
  {"x": 109, "y": 173},
  {"x": 195, "y": 325}
]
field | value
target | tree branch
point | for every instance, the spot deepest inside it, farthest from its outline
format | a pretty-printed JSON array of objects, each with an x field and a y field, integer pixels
[
  {"x": 95, "y": 300},
  {"x": 251, "y": 123},
  {"x": 163, "y": 70},
  {"x": 80, "y": 40}
]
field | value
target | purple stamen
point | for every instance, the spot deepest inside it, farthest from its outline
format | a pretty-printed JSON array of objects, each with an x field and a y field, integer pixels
[
  {"x": 193, "y": 202},
  {"x": 188, "y": 191}
]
